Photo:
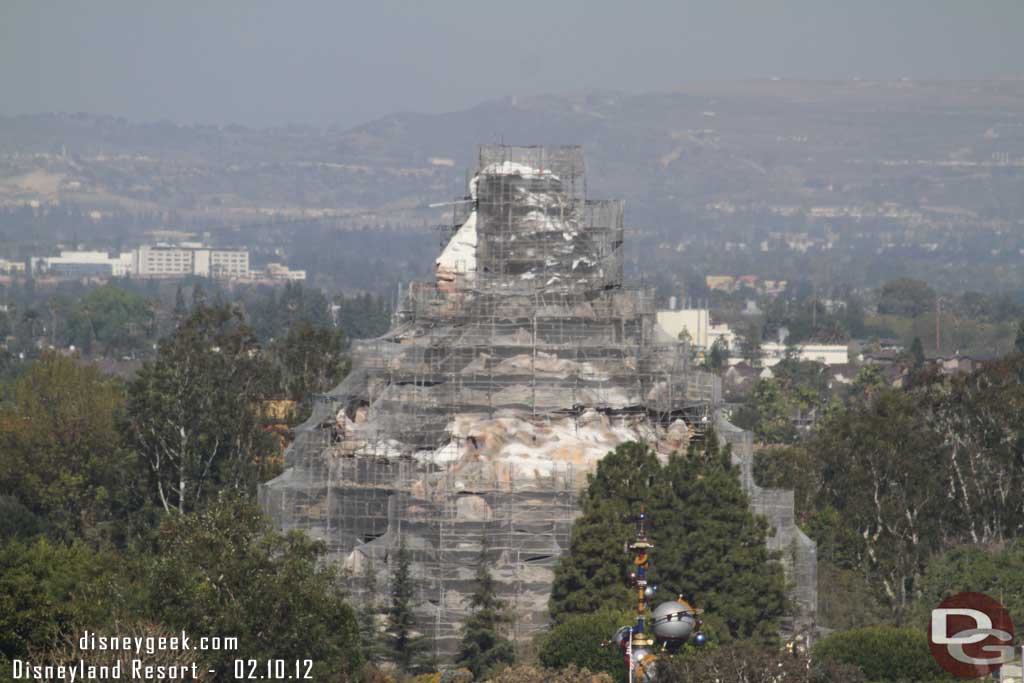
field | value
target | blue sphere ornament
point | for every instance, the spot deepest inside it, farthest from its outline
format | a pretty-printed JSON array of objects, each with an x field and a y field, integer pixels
[{"x": 700, "y": 639}]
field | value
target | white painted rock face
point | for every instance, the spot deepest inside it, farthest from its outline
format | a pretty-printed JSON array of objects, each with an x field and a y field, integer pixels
[{"x": 472, "y": 509}]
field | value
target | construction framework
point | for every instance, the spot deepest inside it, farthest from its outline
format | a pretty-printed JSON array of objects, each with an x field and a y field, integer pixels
[{"x": 500, "y": 385}]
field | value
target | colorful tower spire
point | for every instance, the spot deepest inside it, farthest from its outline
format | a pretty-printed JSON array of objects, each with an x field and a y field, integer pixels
[{"x": 671, "y": 624}]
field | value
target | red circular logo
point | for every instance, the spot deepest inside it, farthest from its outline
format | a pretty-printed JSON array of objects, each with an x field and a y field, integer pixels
[{"x": 971, "y": 635}]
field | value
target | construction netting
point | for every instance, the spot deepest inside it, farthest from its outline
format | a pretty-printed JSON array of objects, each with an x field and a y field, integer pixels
[{"x": 500, "y": 386}]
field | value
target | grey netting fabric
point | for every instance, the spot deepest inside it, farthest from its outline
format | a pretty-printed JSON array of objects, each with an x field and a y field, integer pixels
[{"x": 500, "y": 385}]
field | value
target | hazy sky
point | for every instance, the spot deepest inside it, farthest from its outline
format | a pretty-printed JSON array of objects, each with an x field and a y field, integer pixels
[{"x": 326, "y": 62}]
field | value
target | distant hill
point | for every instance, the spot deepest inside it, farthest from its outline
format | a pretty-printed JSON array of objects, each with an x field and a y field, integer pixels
[
  {"x": 668, "y": 154},
  {"x": 855, "y": 181}
]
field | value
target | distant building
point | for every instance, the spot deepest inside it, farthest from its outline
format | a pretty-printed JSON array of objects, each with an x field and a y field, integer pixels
[
  {"x": 78, "y": 264},
  {"x": 828, "y": 354},
  {"x": 695, "y": 321},
  {"x": 729, "y": 284},
  {"x": 159, "y": 261},
  {"x": 279, "y": 271},
  {"x": 720, "y": 283},
  {"x": 155, "y": 261},
  {"x": 11, "y": 267},
  {"x": 190, "y": 258},
  {"x": 697, "y": 324}
]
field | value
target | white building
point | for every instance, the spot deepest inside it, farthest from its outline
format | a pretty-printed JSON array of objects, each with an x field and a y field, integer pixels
[
  {"x": 150, "y": 261},
  {"x": 279, "y": 271},
  {"x": 229, "y": 263},
  {"x": 82, "y": 264},
  {"x": 11, "y": 267},
  {"x": 697, "y": 323},
  {"x": 163, "y": 260},
  {"x": 827, "y": 354},
  {"x": 190, "y": 258}
]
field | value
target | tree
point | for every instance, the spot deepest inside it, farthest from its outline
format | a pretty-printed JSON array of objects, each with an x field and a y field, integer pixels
[
  {"x": 62, "y": 456},
  {"x": 881, "y": 470},
  {"x": 312, "y": 361},
  {"x": 369, "y": 614},
  {"x": 116, "y": 319},
  {"x": 993, "y": 570},
  {"x": 747, "y": 662},
  {"x": 917, "y": 353},
  {"x": 484, "y": 647},
  {"x": 906, "y": 475},
  {"x": 578, "y": 641},
  {"x": 883, "y": 653},
  {"x": 906, "y": 297},
  {"x": 405, "y": 644},
  {"x": 49, "y": 590},
  {"x": 718, "y": 356},
  {"x": 750, "y": 344},
  {"x": 68, "y": 652},
  {"x": 180, "y": 307},
  {"x": 593, "y": 575},
  {"x": 709, "y": 547},
  {"x": 192, "y": 411},
  {"x": 1018, "y": 342},
  {"x": 773, "y": 413},
  {"x": 530, "y": 674},
  {"x": 224, "y": 572}
]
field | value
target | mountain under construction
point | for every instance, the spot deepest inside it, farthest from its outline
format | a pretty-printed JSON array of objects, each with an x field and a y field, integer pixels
[{"x": 499, "y": 387}]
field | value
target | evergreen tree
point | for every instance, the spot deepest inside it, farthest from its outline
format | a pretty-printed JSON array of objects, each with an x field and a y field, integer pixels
[
  {"x": 709, "y": 546},
  {"x": 593, "y": 575},
  {"x": 483, "y": 646},
  {"x": 1018, "y": 342},
  {"x": 405, "y": 645},
  {"x": 368, "y": 614},
  {"x": 917, "y": 352},
  {"x": 718, "y": 357},
  {"x": 180, "y": 307}
]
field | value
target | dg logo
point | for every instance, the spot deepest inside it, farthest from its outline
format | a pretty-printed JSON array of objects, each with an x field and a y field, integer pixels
[{"x": 971, "y": 635}]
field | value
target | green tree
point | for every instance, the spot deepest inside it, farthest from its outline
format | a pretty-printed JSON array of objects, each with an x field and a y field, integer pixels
[
  {"x": 116, "y": 319},
  {"x": 750, "y": 344},
  {"x": 369, "y": 614},
  {"x": 773, "y": 413},
  {"x": 192, "y": 412},
  {"x": 180, "y": 311},
  {"x": 49, "y": 590},
  {"x": 405, "y": 643},
  {"x": 1018, "y": 341},
  {"x": 224, "y": 572},
  {"x": 708, "y": 546},
  {"x": 883, "y": 653},
  {"x": 749, "y": 662},
  {"x": 993, "y": 570},
  {"x": 917, "y": 353},
  {"x": 484, "y": 647},
  {"x": 530, "y": 674},
  {"x": 579, "y": 640},
  {"x": 906, "y": 297},
  {"x": 62, "y": 456},
  {"x": 594, "y": 573},
  {"x": 718, "y": 355},
  {"x": 882, "y": 471},
  {"x": 312, "y": 361}
]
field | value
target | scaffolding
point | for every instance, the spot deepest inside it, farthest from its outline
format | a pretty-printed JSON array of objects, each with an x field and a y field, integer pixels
[{"x": 498, "y": 387}]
